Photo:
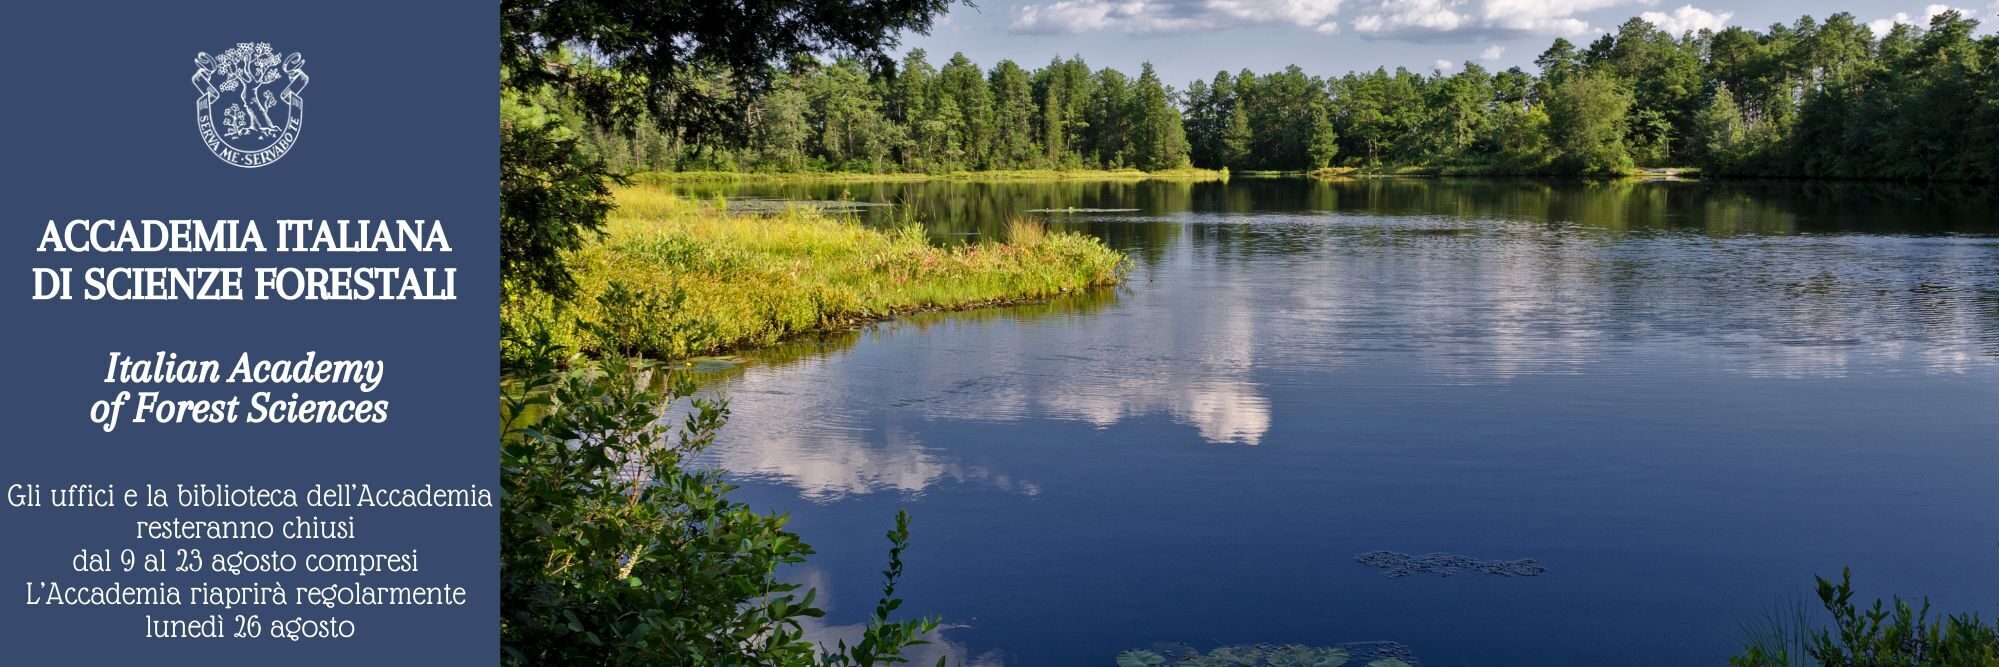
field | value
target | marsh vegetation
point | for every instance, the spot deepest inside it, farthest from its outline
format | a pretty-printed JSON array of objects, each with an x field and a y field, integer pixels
[{"x": 674, "y": 277}]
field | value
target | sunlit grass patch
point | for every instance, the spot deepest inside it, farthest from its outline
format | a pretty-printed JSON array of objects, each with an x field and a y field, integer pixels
[{"x": 674, "y": 276}]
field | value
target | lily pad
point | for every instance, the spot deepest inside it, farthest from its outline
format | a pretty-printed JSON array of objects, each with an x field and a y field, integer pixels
[
  {"x": 706, "y": 365},
  {"x": 1401, "y": 565},
  {"x": 1139, "y": 659}
]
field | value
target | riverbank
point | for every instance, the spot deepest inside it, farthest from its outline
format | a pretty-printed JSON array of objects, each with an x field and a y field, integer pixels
[
  {"x": 674, "y": 277},
  {"x": 1002, "y": 175}
]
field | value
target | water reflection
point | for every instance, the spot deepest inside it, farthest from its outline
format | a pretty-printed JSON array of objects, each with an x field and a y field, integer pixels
[
  {"x": 1472, "y": 282},
  {"x": 937, "y": 643},
  {"x": 956, "y": 211},
  {"x": 810, "y": 435},
  {"x": 1707, "y": 385}
]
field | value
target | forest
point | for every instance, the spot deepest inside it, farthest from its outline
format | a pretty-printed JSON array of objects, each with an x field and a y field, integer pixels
[{"x": 1812, "y": 99}]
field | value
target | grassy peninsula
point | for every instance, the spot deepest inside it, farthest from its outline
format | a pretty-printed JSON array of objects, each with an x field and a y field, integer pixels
[{"x": 673, "y": 276}]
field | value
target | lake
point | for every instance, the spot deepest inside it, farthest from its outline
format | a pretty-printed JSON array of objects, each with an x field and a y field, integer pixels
[{"x": 1682, "y": 399}]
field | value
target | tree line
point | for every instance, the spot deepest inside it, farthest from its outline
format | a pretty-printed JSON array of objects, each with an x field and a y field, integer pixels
[{"x": 1809, "y": 99}]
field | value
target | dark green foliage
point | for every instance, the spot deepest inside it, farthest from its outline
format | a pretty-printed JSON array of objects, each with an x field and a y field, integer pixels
[
  {"x": 1809, "y": 99},
  {"x": 632, "y": 321},
  {"x": 1157, "y": 138},
  {"x": 1325, "y": 144},
  {"x": 662, "y": 55},
  {"x": 1234, "y": 151},
  {"x": 611, "y": 552},
  {"x": 1586, "y": 124},
  {"x": 553, "y": 196},
  {"x": 1108, "y": 138},
  {"x": 1013, "y": 119},
  {"x": 1901, "y": 636},
  {"x": 1832, "y": 100},
  {"x": 966, "y": 104},
  {"x": 660, "y": 66}
]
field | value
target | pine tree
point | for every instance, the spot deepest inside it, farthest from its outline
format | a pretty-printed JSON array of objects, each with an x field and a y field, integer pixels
[
  {"x": 1234, "y": 151},
  {"x": 1325, "y": 143},
  {"x": 1013, "y": 117}
]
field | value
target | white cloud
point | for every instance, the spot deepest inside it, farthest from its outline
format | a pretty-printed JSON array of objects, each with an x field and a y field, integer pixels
[
  {"x": 1492, "y": 53},
  {"x": 1165, "y": 16},
  {"x": 1688, "y": 18},
  {"x": 1881, "y": 26},
  {"x": 1458, "y": 21},
  {"x": 1462, "y": 20},
  {"x": 1412, "y": 16},
  {"x": 1545, "y": 17},
  {"x": 1445, "y": 65}
]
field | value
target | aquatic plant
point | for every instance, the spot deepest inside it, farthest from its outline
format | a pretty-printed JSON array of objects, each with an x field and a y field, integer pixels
[
  {"x": 1878, "y": 636},
  {"x": 1376, "y": 654},
  {"x": 612, "y": 552},
  {"x": 1781, "y": 634},
  {"x": 1402, "y": 565}
]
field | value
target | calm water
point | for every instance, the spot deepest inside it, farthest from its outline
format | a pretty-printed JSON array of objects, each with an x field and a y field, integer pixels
[{"x": 1683, "y": 399}]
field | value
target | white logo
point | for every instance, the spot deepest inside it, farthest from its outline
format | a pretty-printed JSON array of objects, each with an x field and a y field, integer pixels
[{"x": 252, "y": 126}]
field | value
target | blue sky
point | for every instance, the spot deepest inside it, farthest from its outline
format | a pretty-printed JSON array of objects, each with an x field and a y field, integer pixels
[{"x": 1188, "y": 39}]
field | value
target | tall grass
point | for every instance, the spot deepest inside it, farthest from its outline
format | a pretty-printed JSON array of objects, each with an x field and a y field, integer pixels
[
  {"x": 1781, "y": 636},
  {"x": 1025, "y": 232},
  {"x": 1900, "y": 634},
  {"x": 674, "y": 277}
]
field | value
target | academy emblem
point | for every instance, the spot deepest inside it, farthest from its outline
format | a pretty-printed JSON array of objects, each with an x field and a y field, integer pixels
[{"x": 250, "y": 110}]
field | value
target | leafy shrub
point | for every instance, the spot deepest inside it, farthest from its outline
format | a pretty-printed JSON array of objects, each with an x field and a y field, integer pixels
[
  {"x": 1882, "y": 637},
  {"x": 611, "y": 552}
]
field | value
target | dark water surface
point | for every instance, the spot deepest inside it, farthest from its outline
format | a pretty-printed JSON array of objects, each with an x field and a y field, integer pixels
[{"x": 1681, "y": 399}]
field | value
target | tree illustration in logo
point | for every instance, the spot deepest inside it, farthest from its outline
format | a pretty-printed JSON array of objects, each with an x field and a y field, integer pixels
[
  {"x": 245, "y": 69},
  {"x": 263, "y": 121},
  {"x": 236, "y": 121}
]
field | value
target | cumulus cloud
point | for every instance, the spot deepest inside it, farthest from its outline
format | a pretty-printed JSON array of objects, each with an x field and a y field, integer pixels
[
  {"x": 1413, "y": 16},
  {"x": 1445, "y": 65},
  {"x": 1881, "y": 26},
  {"x": 1548, "y": 17},
  {"x": 1456, "y": 20},
  {"x": 1688, "y": 18},
  {"x": 1492, "y": 53},
  {"x": 1164, "y": 16},
  {"x": 1410, "y": 20}
]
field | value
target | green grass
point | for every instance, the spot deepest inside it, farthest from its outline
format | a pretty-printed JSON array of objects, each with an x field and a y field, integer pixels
[
  {"x": 1189, "y": 174},
  {"x": 676, "y": 277}
]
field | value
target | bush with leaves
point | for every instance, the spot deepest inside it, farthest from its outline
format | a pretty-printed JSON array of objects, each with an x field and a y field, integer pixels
[
  {"x": 554, "y": 194},
  {"x": 1902, "y": 636},
  {"x": 613, "y": 552}
]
